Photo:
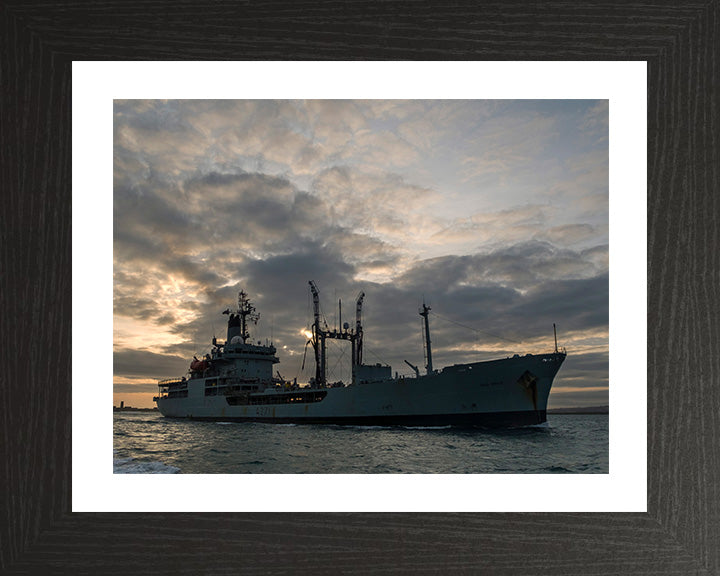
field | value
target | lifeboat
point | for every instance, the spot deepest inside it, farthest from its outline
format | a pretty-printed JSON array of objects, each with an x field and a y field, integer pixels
[{"x": 198, "y": 365}]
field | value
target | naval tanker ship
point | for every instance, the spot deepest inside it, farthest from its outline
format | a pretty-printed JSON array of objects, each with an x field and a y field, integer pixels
[{"x": 235, "y": 382}]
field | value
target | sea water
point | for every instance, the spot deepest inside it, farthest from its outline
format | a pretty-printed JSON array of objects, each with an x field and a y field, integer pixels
[{"x": 148, "y": 443}]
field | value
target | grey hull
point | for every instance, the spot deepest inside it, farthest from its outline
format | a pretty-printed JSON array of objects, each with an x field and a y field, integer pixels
[
  {"x": 473, "y": 420},
  {"x": 508, "y": 392}
]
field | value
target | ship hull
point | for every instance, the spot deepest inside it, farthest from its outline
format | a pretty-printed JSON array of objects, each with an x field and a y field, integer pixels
[
  {"x": 472, "y": 420},
  {"x": 498, "y": 393}
]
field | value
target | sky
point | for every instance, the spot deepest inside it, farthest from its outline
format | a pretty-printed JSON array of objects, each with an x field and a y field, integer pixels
[{"x": 495, "y": 213}]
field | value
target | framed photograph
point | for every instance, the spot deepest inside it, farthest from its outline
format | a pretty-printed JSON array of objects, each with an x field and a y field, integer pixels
[
  {"x": 411, "y": 187},
  {"x": 62, "y": 518},
  {"x": 487, "y": 218}
]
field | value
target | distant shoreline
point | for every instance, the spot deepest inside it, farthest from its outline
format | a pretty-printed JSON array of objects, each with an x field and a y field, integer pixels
[
  {"x": 131, "y": 409},
  {"x": 584, "y": 410}
]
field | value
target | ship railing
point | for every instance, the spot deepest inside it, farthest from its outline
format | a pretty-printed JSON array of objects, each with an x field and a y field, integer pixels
[{"x": 171, "y": 381}]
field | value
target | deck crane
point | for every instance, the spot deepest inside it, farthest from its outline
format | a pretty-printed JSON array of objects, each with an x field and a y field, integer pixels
[{"x": 320, "y": 335}]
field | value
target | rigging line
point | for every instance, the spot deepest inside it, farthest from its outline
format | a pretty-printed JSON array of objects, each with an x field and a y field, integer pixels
[
  {"x": 309, "y": 303},
  {"x": 343, "y": 350},
  {"x": 376, "y": 356},
  {"x": 301, "y": 368},
  {"x": 475, "y": 329}
]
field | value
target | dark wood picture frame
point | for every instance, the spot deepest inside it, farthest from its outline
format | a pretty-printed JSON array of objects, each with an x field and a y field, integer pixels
[{"x": 680, "y": 533}]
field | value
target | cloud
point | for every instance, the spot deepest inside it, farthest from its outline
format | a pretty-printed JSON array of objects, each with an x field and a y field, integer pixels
[
  {"x": 585, "y": 370},
  {"x": 523, "y": 266},
  {"x": 496, "y": 212},
  {"x": 147, "y": 364},
  {"x": 595, "y": 122},
  {"x": 136, "y": 388}
]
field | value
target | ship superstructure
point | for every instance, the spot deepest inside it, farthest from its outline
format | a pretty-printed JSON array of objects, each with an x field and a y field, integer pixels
[{"x": 235, "y": 382}]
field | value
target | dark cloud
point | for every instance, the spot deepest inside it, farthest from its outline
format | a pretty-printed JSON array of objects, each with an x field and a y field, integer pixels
[
  {"x": 575, "y": 374},
  {"x": 573, "y": 399},
  {"x": 146, "y": 387},
  {"x": 575, "y": 304},
  {"x": 126, "y": 304},
  {"x": 463, "y": 317},
  {"x": 512, "y": 291},
  {"x": 312, "y": 260},
  {"x": 148, "y": 364}
]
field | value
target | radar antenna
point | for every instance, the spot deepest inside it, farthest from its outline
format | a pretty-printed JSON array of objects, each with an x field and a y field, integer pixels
[{"x": 246, "y": 311}]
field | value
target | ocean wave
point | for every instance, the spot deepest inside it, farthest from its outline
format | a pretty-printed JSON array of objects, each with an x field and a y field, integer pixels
[
  {"x": 542, "y": 426},
  {"x": 556, "y": 469},
  {"x": 132, "y": 466},
  {"x": 362, "y": 427}
]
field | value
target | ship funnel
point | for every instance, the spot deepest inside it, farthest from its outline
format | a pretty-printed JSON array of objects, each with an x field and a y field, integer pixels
[
  {"x": 234, "y": 327},
  {"x": 237, "y": 322}
]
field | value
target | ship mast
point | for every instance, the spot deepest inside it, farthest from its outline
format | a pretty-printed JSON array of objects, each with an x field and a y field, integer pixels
[
  {"x": 245, "y": 310},
  {"x": 318, "y": 338},
  {"x": 238, "y": 320},
  {"x": 428, "y": 351},
  {"x": 358, "y": 340}
]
